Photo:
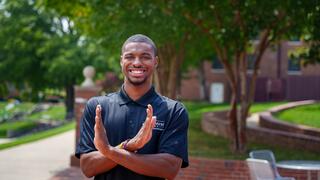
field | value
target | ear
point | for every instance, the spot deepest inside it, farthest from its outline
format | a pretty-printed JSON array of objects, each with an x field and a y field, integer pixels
[
  {"x": 121, "y": 63},
  {"x": 157, "y": 61}
]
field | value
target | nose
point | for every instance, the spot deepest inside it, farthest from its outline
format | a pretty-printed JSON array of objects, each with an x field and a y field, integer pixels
[{"x": 137, "y": 61}]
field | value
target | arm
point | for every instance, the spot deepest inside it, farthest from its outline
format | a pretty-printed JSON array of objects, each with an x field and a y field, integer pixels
[
  {"x": 94, "y": 163},
  {"x": 158, "y": 165},
  {"x": 150, "y": 164}
]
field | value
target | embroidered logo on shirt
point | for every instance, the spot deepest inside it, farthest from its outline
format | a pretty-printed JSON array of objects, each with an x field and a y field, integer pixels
[{"x": 159, "y": 125}]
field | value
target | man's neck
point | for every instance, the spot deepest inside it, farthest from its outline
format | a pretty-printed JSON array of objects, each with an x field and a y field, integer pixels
[{"x": 136, "y": 92}]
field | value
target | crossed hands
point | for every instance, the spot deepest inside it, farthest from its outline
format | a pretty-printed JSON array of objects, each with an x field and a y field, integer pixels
[{"x": 142, "y": 137}]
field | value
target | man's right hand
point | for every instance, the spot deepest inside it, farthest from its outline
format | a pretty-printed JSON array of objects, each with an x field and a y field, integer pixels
[{"x": 145, "y": 133}]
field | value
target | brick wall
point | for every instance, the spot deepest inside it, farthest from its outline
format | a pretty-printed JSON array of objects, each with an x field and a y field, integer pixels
[
  {"x": 214, "y": 123},
  {"x": 268, "y": 69},
  {"x": 202, "y": 168},
  {"x": 213, "y": 169}
]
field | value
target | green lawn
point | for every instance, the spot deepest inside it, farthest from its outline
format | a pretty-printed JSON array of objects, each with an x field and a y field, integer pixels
[
  {"x": 308, "y": 115},
  {"x": 22, "y": 107},
  {"x": 38, "y": 136},
  {"x": 19, "y": 125},
  {"x": 207, "y": 145},
  {"x": 54, "y": 113}
]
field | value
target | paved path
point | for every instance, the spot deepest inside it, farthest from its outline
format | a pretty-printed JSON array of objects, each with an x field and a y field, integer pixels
[{"x": 38, "y": 160}]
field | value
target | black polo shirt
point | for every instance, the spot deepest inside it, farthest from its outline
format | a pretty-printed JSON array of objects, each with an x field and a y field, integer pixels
[{"x": 123, "y": 118}]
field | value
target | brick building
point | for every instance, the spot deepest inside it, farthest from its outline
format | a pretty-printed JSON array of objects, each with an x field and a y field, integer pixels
[{"x": 279, "y": 78}]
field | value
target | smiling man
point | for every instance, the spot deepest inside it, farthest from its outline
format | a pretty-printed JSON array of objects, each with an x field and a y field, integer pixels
[{"x": 134, "y": 133}]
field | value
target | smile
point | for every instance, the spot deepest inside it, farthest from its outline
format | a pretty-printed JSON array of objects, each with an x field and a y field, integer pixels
[{"x": 134, "y": 71}]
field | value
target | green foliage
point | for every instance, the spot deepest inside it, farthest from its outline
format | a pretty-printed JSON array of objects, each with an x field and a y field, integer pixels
[
  {"x": 20, "y": 41},
  {"x": 234, "y": 24},
  {"x": 40, "y": 49},
  {"x": 306, "y": 115},
  {"x": 111, "y": 22}
]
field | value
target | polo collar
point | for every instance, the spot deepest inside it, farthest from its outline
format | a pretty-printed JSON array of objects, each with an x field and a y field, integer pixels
[{"x": 144, "y": 100}]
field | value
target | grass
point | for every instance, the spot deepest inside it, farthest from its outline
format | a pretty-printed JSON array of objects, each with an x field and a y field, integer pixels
[
  {"x": 264, "y": 106},
  {"x": 308, "y": 115},
  {"x": 16, "y": 126},
  {"x": 55, "y": 113},
  {"x": 22, "y": 107},
  {"x": 207, "y": 145},
  {"x": 38, "y": 136}
]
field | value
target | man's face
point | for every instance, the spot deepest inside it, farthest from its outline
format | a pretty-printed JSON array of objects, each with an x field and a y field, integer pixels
[{"x": 138, "y": 62}]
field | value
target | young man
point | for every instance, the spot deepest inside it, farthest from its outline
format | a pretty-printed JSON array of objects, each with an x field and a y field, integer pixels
[{"x": 134, "y": 133}]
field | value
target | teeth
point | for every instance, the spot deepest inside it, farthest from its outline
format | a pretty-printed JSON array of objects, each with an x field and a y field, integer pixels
[{"x": 137, "y": 71}]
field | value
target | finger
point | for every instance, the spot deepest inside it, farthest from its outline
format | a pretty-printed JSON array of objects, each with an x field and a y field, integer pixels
[
  {"x": 149, "y": 115},
  {"x": 154, "y": 120},
  {"x": 153, "y": 124},
  {"x": 98, "y": 111},
  {"x": 151, "y": 110},
  {"x": 98, "y": 115},
  {"x": 150, "y": 126},
  {"x": 147, "y": 121}
]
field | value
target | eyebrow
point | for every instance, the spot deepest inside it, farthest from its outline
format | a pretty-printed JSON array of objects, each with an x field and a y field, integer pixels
[
  {"x": 143, "y": 54},
  {"x": 147, "y": 54}
]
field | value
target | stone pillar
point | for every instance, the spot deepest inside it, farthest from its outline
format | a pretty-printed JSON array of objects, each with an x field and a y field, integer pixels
[{"x": 82, "y": 94}]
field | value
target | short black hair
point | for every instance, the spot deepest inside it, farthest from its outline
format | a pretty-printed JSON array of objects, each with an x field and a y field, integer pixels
[{"x": 140, "y": 38}]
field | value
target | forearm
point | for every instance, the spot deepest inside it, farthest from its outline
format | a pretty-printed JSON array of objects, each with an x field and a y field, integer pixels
[
  {"x": 95, "y": 163},
  {"x": 157, "y": 165}
]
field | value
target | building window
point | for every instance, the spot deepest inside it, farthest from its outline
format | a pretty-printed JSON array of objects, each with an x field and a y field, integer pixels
[
  {"x": 294, "y": 65},
  {"x": 216, "y": 64},
  {"x": 250, "y": 61}
]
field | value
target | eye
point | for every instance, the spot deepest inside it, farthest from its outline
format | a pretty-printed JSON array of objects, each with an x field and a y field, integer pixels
[
  {"x": 129, "y": 57},
  {"x": 146, "y": 57}
]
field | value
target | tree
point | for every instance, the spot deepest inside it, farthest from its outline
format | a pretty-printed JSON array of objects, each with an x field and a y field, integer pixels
[
  {"x": 66, "y": 54},
  {"x": 232, "y": 27},
  {"x": 43, "y": 50},
  {"x": 112, "y": 22},
  {"x": 20, "y": 62}
]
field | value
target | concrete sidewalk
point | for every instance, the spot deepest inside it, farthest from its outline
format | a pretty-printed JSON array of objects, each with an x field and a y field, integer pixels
[{"x": 38, "y": 160}]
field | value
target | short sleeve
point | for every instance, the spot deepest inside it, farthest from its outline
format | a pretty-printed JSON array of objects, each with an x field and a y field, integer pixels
[
  {"x": 85, "y": 144},
  {"x": 174, "y": 139}
]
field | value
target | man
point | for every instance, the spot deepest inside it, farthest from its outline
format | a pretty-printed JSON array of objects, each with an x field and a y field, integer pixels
[{"x": 134, "y": 133}]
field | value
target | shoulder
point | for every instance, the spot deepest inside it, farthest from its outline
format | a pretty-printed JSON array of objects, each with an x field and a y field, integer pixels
[
  {"x": 171, "y": 104},
  {"x": 103, "y": 100}
]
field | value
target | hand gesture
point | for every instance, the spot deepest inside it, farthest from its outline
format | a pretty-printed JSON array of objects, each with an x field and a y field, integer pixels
[
  {"x": 145, "y": 133},
  {"x": 100, "y": 136}
]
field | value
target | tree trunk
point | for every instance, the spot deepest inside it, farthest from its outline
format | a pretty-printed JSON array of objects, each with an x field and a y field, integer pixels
[
  {"x": 232, "y": 115},
  {"x": 202, "y": 80},
  {"x": 167, "y": 74},
  {"x": 162, "y": 75},
  {"x": 69, "y": 101},
  {"x": 242, "y": 115}
]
